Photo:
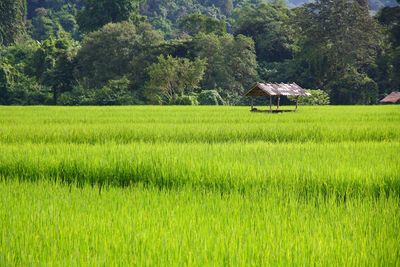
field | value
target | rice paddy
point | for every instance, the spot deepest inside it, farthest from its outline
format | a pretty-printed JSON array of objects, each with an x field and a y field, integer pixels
[{"x": 199, "y": 186}]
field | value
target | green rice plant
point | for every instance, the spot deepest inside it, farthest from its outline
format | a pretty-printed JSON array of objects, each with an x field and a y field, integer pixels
[
  {"x": 199, "y": 186},
  {"x": 94, "y": 125},
  {"x": 47, "y": 223},
  {"x": 342, "y": 169}
]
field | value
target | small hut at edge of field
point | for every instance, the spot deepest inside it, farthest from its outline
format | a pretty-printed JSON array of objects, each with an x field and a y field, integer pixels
[
  {"x": 393, "y": 98},
  {"x": 276, "y": 90}
]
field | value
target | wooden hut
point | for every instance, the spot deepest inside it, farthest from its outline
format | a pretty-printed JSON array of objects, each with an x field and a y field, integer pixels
[
  {"x": 393, "y": 98},
  {"x": 276, "y": 90}
]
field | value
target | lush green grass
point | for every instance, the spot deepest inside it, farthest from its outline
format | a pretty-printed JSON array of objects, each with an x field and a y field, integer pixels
[
  {"x": 94, "y": 125},
  {"x": 56, "y": 225},
  {"x": 330, "y": 168},
  {"x": 199, "y": 186}
]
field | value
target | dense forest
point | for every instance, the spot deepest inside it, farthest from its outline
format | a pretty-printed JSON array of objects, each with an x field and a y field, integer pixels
[{"x": 121, "y": 52}]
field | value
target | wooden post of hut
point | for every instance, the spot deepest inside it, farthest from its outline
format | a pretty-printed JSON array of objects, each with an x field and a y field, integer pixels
[
  {"x": 270, "y": 103},
  {"x": 279, "y": 103}
]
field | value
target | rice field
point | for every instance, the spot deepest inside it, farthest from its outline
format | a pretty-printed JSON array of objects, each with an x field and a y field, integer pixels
[{"x": 199, "y": 186}]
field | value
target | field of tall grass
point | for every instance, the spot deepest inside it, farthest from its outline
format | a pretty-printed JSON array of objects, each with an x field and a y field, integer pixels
[{"x": 199, "y": 186}]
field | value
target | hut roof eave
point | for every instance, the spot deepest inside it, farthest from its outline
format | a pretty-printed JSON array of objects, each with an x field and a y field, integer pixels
[
  {"x": 392, "y": 98},
  {"x": 275, "y": 89}
]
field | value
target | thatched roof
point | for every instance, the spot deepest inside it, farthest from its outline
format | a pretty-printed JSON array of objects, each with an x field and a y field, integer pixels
[
  {"x": 277, "y": 89},
  {"x": 392, "y": 98}
]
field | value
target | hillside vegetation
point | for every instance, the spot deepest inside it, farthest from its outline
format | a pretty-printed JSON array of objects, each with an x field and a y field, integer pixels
[{"x": 129, "y": 52}]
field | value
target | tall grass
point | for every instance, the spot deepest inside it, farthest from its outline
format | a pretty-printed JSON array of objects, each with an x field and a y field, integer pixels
[
  {"x": 344, "y": 169},
  {"x": 199, "y": 186},
  {"x": 50, "y": 224},
  {"x": 123, "y": 125}
]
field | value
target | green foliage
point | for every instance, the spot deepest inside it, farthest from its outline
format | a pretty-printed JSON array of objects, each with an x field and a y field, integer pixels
[
  {"x": 166, "y": 14},
  {"x": 389, "y": 66},
  {"x": 27, "y": 91},
  {"x": 231, "y": 62},
  {"x": 186, "y": 100},
  {"x": 47, "y": 22},
  {"x": 172, "y": 77},
  {"x": 12, "y": 21},
  {"x": 337, "y": 34},
  {"x": 78, "y": 96},
  {"x": 19, "y": 89},
  {"x": 107, "y": 53},
  {"x": 115, "y": 92},
  {"x": 7, "y": 78},
  {"x": 317, "y": 98},
  {"x": 97, "y": 13},
  {"x": 54, "y": 64},
  {"x": 197, "y": 23},
  {"x": 269, "y": 27},
  {"x": 314, "y": 45},
  {"x": 354, "y": 89},
  {"x": 210, "y": 98}
]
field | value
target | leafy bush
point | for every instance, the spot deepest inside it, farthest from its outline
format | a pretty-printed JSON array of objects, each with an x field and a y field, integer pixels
[
  {"x": 19, "y": 89},
  {"x": 317, "y": 98},
  {"x": 27, "y": 91},
  {"x": 115, "y": 92},
  {"x": 186, "y": 100},
  {"x": 354, "y": 88},
  {"x": 210, "y": 98},
  {"x": 79, "y": 96}
]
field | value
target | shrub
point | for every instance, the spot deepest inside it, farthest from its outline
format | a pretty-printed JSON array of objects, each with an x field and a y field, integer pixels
[
  {"x": 317, "y": 98},
  {"x": 115, "y": 92},
  {"x": 186, "y": 100},
  {"x": 19, "y": 89},
  {"x": 210, "y": 98},
  {"x": 79, "y": 96},
  {"x": 354, "y": 88}
]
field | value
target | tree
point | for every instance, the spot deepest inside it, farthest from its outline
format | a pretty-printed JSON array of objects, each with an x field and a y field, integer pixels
[
  {"x": 354, "y": 88},
  {"x": 172, "y": 77},
  {"x": 210, "y": 98},
  {"x": 337, "y": 36},
  {"x": 48, "y": 22},
  {"x": 242, "y": 63},
  {"x": 231, "y": 63},
  {"x": 97, "y": 13},
  {"x": 107, "y": 53},
  {"x": 17, "y": 88},
  {"x": 44, "y": 25},
  {"x": 197, "y": 23},
  {"x": 12, "y": 22},
  {"x": 54, "y": 64},
  {"x": 269, "y": 27},
  {"x": 389, "y": 17}
]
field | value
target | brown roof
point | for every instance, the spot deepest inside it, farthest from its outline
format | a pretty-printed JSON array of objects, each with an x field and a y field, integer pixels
[
  {"x": 277, "y": 89},
  {"x": 392, "y": 98}
]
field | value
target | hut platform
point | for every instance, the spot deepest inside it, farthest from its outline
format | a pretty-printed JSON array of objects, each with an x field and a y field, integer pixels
[{"x": 274, "y": 111}]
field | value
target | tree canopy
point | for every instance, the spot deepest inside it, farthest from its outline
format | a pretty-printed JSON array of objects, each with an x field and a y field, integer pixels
[{"x": 104, "y": 52}]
